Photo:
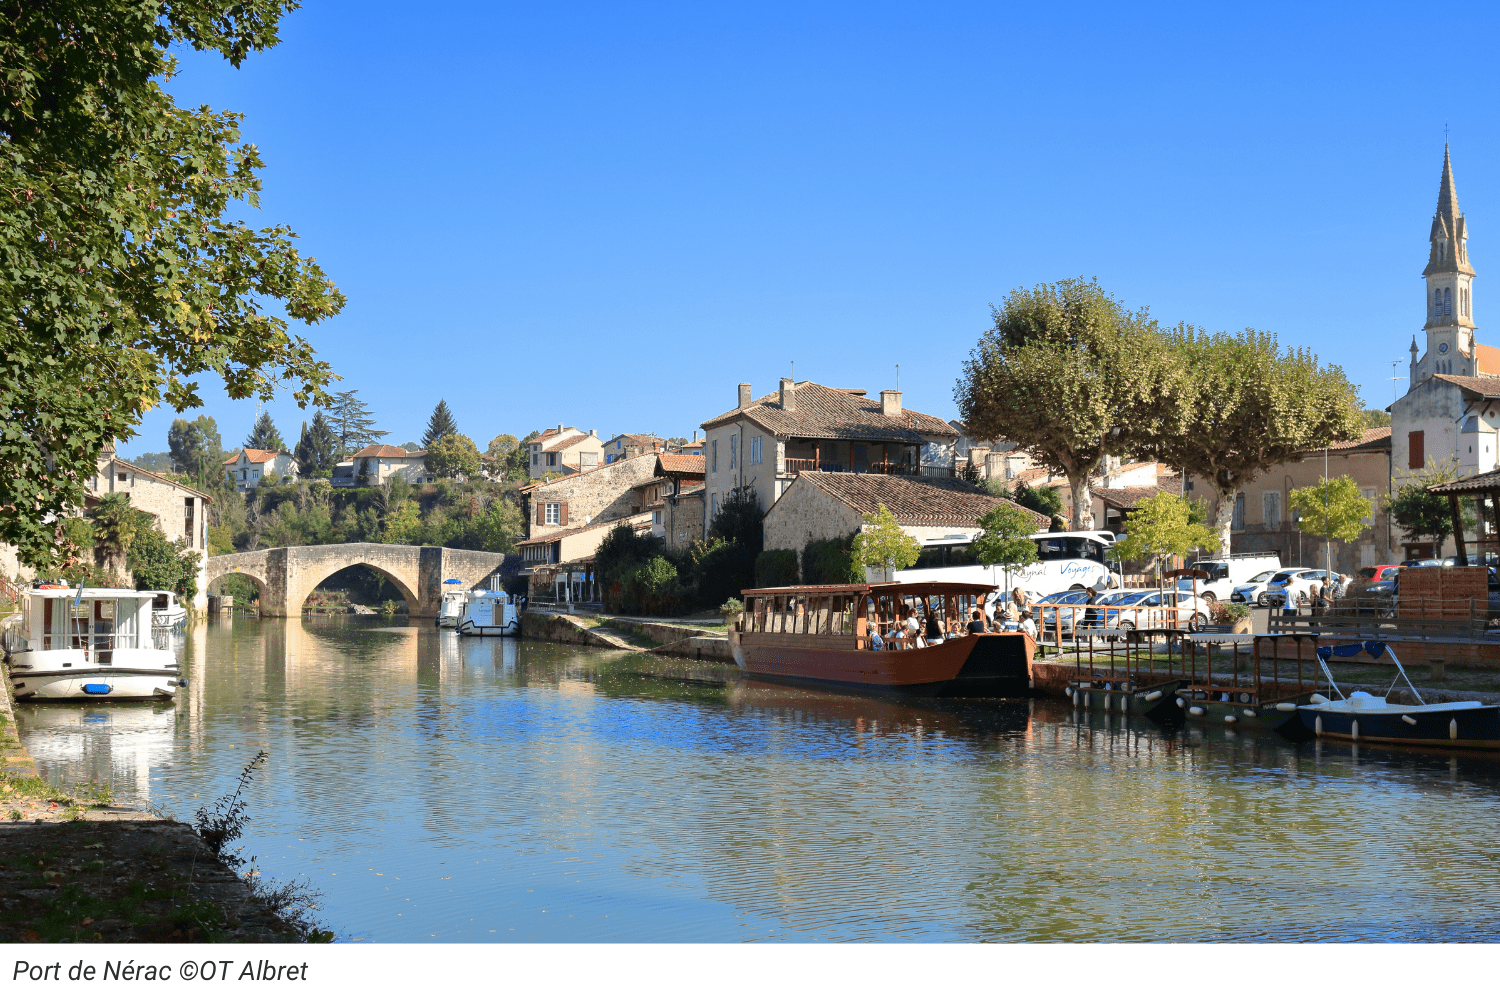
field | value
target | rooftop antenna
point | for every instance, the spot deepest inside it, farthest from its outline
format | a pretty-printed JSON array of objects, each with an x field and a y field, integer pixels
[
  {"x": 1395, "y": 378},
  {"x": 1445, "y": 133},
  {"x": 794, "y": 371},
  {"x": 898, "y": 378}
]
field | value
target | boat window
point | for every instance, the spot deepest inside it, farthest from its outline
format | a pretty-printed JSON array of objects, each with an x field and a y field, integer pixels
[
  {"x": 159, "y": 602},
  {"x": 941, "y": 556}
]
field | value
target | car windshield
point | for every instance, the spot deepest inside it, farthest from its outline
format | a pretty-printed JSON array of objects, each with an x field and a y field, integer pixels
[
  {"x": 1262, "y": 577},
  {"x": 1390, "y": 572},
  {"x": 1135, "y": 598},
  {"x": 1281, "y": 578},
  {"x": 1107, "y": 600}
]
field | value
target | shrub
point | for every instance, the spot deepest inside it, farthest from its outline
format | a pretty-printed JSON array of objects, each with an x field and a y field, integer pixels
[
  {"x": 830, "y": 561},
  {"x": 776, "y": 568},
  {"x": 722, "y": 569}
]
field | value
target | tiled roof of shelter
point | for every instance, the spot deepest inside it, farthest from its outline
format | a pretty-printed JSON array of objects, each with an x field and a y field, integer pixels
[
  {"x": 252, "y": 455},
  {"x": 1483, "y": 482},
  {"x": 1482, "y": 384},
  {"x": 1374, "y": 439},
  {"x": 823, "y": 412},
  {"x": 681, "y": 465},
  {"x": 385, "y": 451},
  {"x": 915, "y": 500}
]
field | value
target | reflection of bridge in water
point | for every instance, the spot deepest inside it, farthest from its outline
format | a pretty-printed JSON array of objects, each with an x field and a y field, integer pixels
[{"x": 287, "y": 575}]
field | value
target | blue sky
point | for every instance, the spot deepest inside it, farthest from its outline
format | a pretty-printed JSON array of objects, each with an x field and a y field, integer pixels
[{"x": 611, "y": 215}]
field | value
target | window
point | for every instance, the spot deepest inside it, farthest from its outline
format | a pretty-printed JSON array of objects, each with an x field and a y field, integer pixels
[
  {"x": 1447, "y": 302},
  {"x": 123, "y": 477},
  {"x": 734, "y": 450},
  {"x": 1271, "y": 509},
  {"x": 244, "y": 475},
  {"x": 713, "y": 503},
  {"x": 656, "y": 517},
  {"x": 187, "y": 519},
  {"x": 1238, "y": 523},
  {"x": 1369, "y": 521},
  {"x": 1416, "y": 450},
  {"x": 552, "y": 513},
  {"x": 551, "y": 458},
  {"x": 715, "y": 463},
  {"x": 755, "y": 450}
]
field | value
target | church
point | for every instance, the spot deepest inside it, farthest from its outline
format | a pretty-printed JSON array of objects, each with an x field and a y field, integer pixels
[{"x": 1449, "y": 412}]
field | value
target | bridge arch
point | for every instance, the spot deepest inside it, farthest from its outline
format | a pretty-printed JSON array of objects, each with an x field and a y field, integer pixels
[{"x": 408, "y": 590}]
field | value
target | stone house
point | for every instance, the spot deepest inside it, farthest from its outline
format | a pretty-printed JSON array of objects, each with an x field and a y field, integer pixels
[
  {"x": 1263, "y": 523},
  {"x": 806, "y": 427},
  {"x": 693, "y": 447},
  {"x": 181, "y": 511},
  {"x": 604, "y": 493},
  {"x": 562, "y": 451},
  {"x": 377, "y": 464},
  {"x": 623, "y": 446},
  {"x": 246, "y": 467},
  {"x": 682, "y": 522},
  {"x": 818, "y": 506}
]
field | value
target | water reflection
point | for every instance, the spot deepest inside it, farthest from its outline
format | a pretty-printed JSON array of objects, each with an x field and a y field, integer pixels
[{"x": 445, "y": 788}]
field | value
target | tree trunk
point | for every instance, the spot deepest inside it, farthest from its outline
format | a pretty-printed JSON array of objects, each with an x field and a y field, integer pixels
[
  {"x": 1224, "y": 519},
  {"x": 1083, "y": 501}
]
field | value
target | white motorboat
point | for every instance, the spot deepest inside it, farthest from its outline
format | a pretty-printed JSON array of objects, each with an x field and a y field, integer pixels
[
  {"x": 89, "y": 644},
  {"x": 165, "y": 611},
  {"x": 451, "y": 610},
  {"x": 490, "y": 612}
]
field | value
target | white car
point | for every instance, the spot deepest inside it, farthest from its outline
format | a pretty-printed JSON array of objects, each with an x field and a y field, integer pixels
[
  {"x": 1289, "y": 588},
  {"x": 1254, "y": 592},
  {"x": 1154, "y": 609}
]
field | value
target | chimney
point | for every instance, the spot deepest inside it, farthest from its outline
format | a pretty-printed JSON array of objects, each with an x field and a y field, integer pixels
[
  {"x": 744, "y": 400},
  {"x": 890, "y": 402},
  {"x": 593, "y": 433},
  {"x": 788, "y": 394}
]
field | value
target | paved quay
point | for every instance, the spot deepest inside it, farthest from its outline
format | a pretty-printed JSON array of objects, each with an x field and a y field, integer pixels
[{"x": 74, "y": 867}]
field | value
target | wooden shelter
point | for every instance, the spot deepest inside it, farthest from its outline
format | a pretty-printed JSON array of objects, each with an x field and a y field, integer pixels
[{"x": 1484, "y": 487}]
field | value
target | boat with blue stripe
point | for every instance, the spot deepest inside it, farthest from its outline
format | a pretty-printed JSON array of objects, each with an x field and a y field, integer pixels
[{"x": 1364, "y": 717}]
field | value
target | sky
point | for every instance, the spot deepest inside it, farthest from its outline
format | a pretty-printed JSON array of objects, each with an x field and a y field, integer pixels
[{"x": 610, "y": 215}]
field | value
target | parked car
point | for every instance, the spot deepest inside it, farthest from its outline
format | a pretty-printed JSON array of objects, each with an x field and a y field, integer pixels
[
  {"x": 1292, "y": 588},
  {"x": 1423, "y": 562},
  {"x": 1225, "y": 574},
  {"x": 1154, "y": 609},
  {"x": 1366, "y": 580},
  {"x": 1255, "y": 591}
]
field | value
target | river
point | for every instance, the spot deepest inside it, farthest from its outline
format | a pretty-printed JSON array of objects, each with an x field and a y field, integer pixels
[{"x": 436, "y": 788}]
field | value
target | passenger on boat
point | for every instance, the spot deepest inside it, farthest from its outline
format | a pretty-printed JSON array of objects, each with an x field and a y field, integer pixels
[
  {"x": 934, "y": 628},
  {"x": 976, "y": 622},
  {"x": 1018, "y": 603},
  {"x": 1028, "y": 624}
]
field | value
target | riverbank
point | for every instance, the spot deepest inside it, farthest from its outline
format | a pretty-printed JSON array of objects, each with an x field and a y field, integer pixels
[
  {"x": 76, "y": 867},
  {"x": 676, "y": 652}
]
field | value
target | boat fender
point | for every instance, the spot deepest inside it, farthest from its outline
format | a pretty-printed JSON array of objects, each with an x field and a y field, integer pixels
[
  {"x": 1068, "y": 691},
  {"x": 1153, "y": 696},
  {"x": 1286, "y": 706},
  {"x": 1181, "y": 703},
  {"x": 1318, "y": 725},
  {"x": 1106, "y": 703},
  {"x": 1249, "y": 712},
  {"x": 1230, "y": 718},
  {"x": 1354, "y": 730},
  {"x": 1075, "y": 699},
  {"x": 1196, "y": 710},
  {"x": 1453, "y": 729},
  {"x": 1408, "y": 720},
  {"x": 1318, "y": 699}
]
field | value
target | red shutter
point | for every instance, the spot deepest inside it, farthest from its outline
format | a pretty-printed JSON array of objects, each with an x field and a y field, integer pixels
[
  {"x": 540, "y": 507},
  {"x": 562, "y": 517},
  {"x": 1416, "y": 448}
]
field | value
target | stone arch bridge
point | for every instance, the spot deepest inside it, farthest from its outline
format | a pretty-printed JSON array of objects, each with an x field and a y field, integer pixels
[{"x": 287, "y": 575}]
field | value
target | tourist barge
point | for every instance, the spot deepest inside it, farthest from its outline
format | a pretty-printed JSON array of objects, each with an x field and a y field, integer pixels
[
  {"x": 854, "y": 635},
  {"x": 89, "y": 644},
  {"x": 451, "y": 607},
  {"x": 489, "y": 612}
]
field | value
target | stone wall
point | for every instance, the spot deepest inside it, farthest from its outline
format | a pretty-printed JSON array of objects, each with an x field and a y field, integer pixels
[
  {"x": 166, "y": 500},
  {"x": 682, "y": 521},
  {"x": 806, "y": 514},
  {"x": 603, "y": 494}
]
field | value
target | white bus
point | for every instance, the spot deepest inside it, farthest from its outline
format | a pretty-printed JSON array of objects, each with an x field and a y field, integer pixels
[{"x": 1070, "y": 560}]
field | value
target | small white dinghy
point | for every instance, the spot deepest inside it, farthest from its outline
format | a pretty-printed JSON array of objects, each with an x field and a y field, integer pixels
[
  {"x": 89, "y": 644},
  {"x": 165, "y": 611},
  {"x": 489, "y": 612}
]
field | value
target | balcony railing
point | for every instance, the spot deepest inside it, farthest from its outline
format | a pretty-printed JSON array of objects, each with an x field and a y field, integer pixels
[{"x": 792, "y": 466}]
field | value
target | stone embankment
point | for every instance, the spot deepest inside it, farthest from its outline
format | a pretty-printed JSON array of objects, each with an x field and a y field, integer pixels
[
  {"x": 74, "y": 867},
  {"x": 677, "y": 651}
]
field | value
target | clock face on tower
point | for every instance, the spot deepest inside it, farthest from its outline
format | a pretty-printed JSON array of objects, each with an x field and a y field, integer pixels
[{"x": 1442, "y": 348}]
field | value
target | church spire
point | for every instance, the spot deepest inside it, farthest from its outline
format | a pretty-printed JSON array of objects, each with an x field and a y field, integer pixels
[
  {"x": 1449, "y": 237},
  {"x": 1449, "y": 278},
  {"x": 1447, "y": 205}
]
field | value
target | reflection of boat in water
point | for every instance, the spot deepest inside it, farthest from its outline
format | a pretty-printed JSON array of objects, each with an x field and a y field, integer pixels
[
  {"x": 118, "y": 743},
  {"x": 891, "y": 713},
  {"x": 451, "y": 608},
  {"x": 90, "y": 644},
  {"x": 489, "y": 612},
  {"x": 855, "y": 635},
  {"x": 1361, "y": 716}
]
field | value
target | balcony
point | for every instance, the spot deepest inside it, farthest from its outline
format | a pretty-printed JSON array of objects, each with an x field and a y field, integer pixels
[{"x": 792, "y": 466}]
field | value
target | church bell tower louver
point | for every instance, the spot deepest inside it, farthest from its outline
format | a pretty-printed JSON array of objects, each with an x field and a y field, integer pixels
[{"x": 1451, "y": 347}]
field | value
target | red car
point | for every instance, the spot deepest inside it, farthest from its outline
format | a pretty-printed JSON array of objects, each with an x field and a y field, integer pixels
[{"x": 1371, "y": 575}]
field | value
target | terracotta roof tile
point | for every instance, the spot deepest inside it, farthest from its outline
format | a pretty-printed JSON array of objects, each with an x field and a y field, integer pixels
[
  {"x": 1484, "y": 385},
  {"x": 384, "y": 451},
  {"x": 681, "y": 465},
  {"x": 824, "y": 412},
  {"x": 1126, "y": 498},
  {"x": 915, "y": 500},
  {"x": 253, "y": 455},
  {"x": 566, "y": 443},
  {"x": 1486, "y": 359},
  {"x": 1373, "y": 438}
]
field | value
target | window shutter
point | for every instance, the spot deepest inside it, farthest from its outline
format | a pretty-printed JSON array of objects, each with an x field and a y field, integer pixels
[
  {"x": 562, "y": 514},
  {"x": 1416, "y": 447},
  {"x": 540, "y": 509}
]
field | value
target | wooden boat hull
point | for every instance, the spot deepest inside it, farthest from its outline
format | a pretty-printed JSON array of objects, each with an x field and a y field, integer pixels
[
  {"x": 1477, "y": 726},
  {"x": 985, "y": 665}
]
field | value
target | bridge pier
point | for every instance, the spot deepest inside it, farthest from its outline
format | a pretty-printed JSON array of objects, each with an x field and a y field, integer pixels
[{"x": 286, "y": 576}]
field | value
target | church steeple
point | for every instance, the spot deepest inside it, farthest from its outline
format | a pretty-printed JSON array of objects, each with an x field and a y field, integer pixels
[{"x": 1450, "y": 313}]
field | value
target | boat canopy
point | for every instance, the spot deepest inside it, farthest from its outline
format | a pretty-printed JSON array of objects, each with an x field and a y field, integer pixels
[{"x": 934, "y": 587}]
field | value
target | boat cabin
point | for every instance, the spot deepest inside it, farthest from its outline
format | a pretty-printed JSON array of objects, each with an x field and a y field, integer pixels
[
  {"x": 99, "y": 622},
  {"x": 870, "y": 616}
]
